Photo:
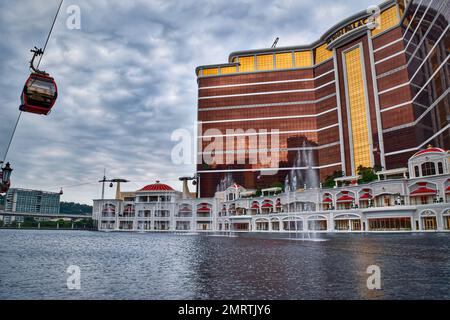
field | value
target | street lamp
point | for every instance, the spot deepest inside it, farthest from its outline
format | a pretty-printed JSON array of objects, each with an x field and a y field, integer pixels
[
  {"x": 196, "y": 182},
  {"x": 398, "y": 200},
  {"x": 6, "y": 173},
  {"x": 436, "y": 199}
]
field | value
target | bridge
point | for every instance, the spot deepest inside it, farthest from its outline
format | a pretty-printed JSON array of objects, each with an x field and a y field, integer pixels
[{"x": 45, "y": 215}]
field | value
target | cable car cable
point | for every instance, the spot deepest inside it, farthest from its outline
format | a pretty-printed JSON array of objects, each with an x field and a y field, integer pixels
[
  {"x": 43, "y": 51},
  {"x": 12, "y": 136},
  {"x": 50, "y": 32}
]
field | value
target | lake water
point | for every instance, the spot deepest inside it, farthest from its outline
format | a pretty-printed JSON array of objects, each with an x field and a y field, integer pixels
[{"x": 33, "y": 265}]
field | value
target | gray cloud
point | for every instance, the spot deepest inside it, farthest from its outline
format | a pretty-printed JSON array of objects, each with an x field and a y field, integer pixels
[{"x": 126, "y": 80}]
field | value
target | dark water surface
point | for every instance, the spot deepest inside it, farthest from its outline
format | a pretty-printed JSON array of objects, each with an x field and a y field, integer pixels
[{"x": 169, "y": 266}]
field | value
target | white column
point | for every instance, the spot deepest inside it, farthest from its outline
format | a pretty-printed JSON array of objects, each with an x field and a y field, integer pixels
[
  {"x": 439, "y": 221},
  {"x": 172, "y": 216},
  {"x": 194, "y": 216}
]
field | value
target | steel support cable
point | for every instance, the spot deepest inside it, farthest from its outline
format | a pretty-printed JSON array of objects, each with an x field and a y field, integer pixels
[{"x": 43, "y": 51}]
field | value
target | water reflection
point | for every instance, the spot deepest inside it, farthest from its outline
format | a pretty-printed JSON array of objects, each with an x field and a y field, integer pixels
[{"x": 175, "y": 266}]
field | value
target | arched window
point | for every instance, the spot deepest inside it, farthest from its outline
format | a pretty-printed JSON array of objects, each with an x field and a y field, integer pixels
[
  {"x": 128, "y": 210},
  {"x": 428, "y": 169},
  {"x": 416, "y": 171},
  {"x": 108, "y": 210},
  {"x": 440, "y": 168}
]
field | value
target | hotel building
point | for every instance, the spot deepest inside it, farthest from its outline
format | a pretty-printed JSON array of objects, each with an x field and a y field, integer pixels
[
  {"x": 364, "y": 94},
  {"x": 358, "y": 96}
]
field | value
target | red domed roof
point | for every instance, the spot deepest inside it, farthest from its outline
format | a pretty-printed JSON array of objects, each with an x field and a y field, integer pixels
[
  {"x": 157, "y": 187},
  {"x": 428, "y": 150}
]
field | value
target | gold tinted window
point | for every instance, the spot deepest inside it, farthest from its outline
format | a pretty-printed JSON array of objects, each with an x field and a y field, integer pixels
[
  {"x": 322, "y": 54},
  {"x": 388, "y": 19},
  {"x": 303, "y": 59},
  {"x": 210, "y": 71},
  {"x": 264, "y": 62},
  {"x": 283, "y": 60},
  {"x": 357, "y": 107},
  {"x": 247, "y": 64},
  {"x": 227, "y": 70}
]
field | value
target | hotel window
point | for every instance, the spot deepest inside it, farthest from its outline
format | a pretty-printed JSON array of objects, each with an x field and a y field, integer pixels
[
  {"x": 241, "y": 226},
  {"x": 428, "y": 169},
  {"x": 416, "y": 171},
  {"x": 283, "y": 60},
  {"x": 210, "y": 72},
  {"x": 264, "y": 62},
  {"x": 322, "y": 54},
  {"x": 227, "y": 70},
  {"x": 440, "y": 168},
  {"x": 303, "y": 59},
  {"x": 342, "y": 225},
  {"x": 144, "y": 213},
  {"x": 317, "y": 225},
  {"x": 356, "y": 225},
  {"x": 162, "y": 213},
  {"x": 247, "y": 64},
  {"x": 381, "y": 224},
  {"x": 388, "y": 19},
  {"x": 423, "y": 200},
  {"x": 357, "y": 109}
]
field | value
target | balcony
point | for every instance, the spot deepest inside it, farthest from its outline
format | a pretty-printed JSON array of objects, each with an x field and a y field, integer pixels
[
  {"x": 201, "y": 215},
  {"x": 108, "y": 215},
  {"x": 183, "y": 215},
  {"x": 128, "y": 215},
  {"x": 162, "y": 215}
]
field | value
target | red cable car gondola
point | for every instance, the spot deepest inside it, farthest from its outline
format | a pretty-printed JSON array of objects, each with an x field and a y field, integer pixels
[{"x": 40, "y": 91}]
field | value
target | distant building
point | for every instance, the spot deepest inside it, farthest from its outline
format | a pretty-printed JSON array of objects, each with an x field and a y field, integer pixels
[{"x": 30, "y": 201}]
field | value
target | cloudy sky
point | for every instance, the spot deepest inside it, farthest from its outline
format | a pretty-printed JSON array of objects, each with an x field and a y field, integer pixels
[{"x": 126, "y": 80}]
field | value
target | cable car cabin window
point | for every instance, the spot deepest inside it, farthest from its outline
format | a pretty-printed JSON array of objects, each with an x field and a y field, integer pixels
[{"x": 41, "y": 87}]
